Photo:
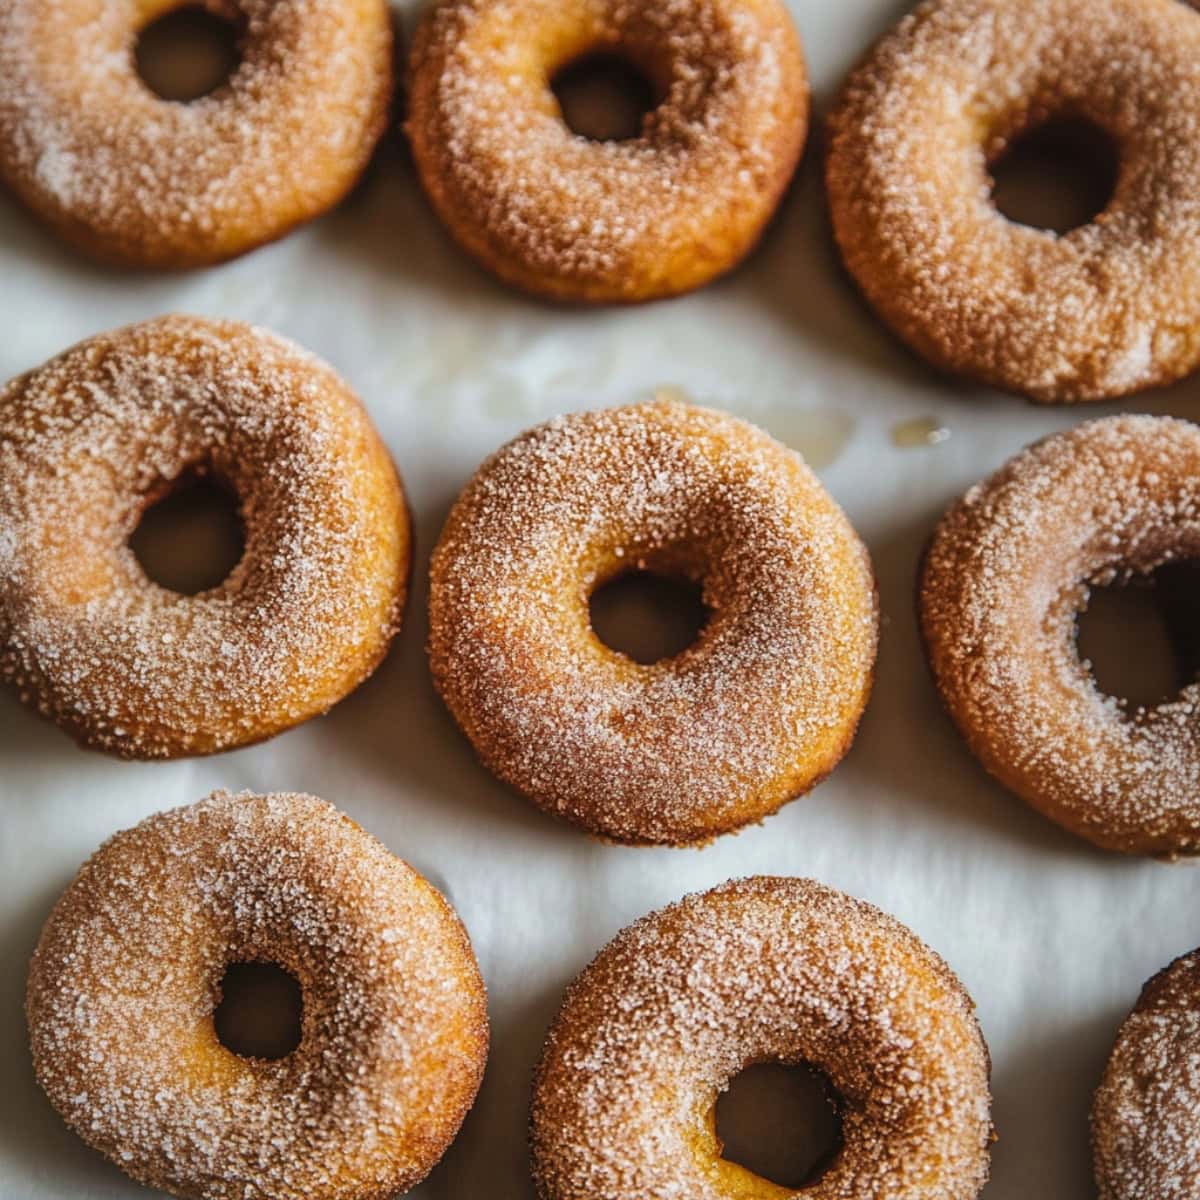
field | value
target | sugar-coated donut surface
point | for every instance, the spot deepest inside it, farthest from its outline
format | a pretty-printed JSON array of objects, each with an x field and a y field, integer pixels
[
  {"x": 126, "y": 977},
  {"x": 1101, "y": 311},
  {"x": 573, "y": 219},
  {"x": 1146, "y": 1114},
  {"x": 759, "y": 970},
  {"x": 756, "y": 711},
  {"x": 130, "y": 178},
  {"x": 86, "y": 443},
  {"x": 1006, "y": 573}
]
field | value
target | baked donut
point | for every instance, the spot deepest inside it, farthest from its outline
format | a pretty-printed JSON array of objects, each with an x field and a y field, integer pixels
[
  {"x": 135, "y": 180},
  {"x": 761, "y": 970},
  {"x": 1098, "y": 312},
  {"x": 1008, "y": 569},
  {"x": 127, "y": 975},
  {"x": 97, "y": 435},
  {"x": 619, "y": 221},
  {"x": 756, "y": 711},
  {"x": 1145, "y": 1139}
]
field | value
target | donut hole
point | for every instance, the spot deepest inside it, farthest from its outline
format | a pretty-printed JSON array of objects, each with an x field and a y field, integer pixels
[
  {"x": 1058, "y": 174},
  {"x": 646, "y": 615},
  {"x": 1138, "y": 636},
  {"x": 190, "y": 538},
  {"x": 188, "y": 53},
  {"x": 260, "y": 1011},
  {"x": 781, "y": 1122},
  {"x": 604, "y": 96}
]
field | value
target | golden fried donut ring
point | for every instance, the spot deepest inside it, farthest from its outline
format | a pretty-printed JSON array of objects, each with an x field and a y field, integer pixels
[
  {"x": 1007, "y": 571},
  {"x": 572, "y": 219},
  {"x": 1101, "y": 311},
  {"x": 132, "y": 179},
  {"x": 754, "y": 713},
  {"x": 91, "y": 439},
  {"x": 761, "y": 970},
  {"x": 127, "y": 976},
  {"x": 1144, "y": 1139}
]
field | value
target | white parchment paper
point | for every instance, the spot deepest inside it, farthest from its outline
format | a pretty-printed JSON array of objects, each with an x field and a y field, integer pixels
[{"x": 1052, "y": 938}]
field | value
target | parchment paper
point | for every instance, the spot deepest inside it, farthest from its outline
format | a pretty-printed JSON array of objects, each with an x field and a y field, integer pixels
[{"x": 1052, "y": 938}]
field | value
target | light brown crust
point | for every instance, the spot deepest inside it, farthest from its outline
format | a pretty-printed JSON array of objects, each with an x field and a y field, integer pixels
[
  {"x": 1146, "y": 1113},
  {"x": 1101, "y": 311},
  {"x": 754, "y": 713},
  {"x": 135, "y": 180},
  {"x": 128, "y": 667},
  {"x": 760, "y": 970},
  {"x": 126, "y": 977},
  {"x": 1008, "y": 569},
  {"x": 600, "y": 222}
]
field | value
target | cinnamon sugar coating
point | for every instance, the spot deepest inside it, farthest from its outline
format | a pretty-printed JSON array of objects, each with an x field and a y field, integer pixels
[
  {"x": 1008, "y": 569},
  {"x": 126, "y": 978},
  {"x": 1146, "y": 1114},
  {"x": 754, "y": 713},
  {"x": 572, "y": 219},
  {"x": 89, "y": 440},
  {"x": 761, "y": 970},
  {"x": 1101, "y": 311},
  {"x": 135, "y": 180}
]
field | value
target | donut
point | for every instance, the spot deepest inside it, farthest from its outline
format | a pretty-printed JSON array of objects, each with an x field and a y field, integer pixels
[
  {"x": 761, "y": 970},
  {"x": 1101, "y": 311},
  {"x": 127, "y": 975},
  {"x": 135, "y": 180},
  {"x": 93, "y": 438},
  {"x": 756, "y": 711},
  {"x": 1009, "y": 568},
  {"x": 1145, "y": 1139},
  {"x": 572, "y": 219}
]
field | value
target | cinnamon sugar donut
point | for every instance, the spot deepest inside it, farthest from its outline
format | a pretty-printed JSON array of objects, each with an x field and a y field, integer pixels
[
  {"x": 573, "y": 219},
  {"x": 1010, "y": 566},
  {"x": 1101, "y": 311},
  {"x": 132, "y": 179},
  {"x": 127, "y": 976},
  {"x": 91, "y": 439},
  {"x": 761, "y": 970},
  {"x": 755, "y": 712},
  {"x": 1146, "y": 1114}
]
